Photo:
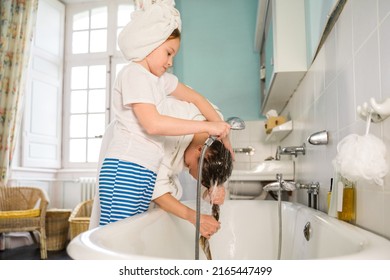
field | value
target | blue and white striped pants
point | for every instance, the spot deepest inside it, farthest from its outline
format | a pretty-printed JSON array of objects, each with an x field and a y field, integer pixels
[{"x": 125, "y": 189}]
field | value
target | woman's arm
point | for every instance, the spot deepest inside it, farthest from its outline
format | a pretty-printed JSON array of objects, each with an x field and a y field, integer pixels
[{"x": 208, "y": 225}]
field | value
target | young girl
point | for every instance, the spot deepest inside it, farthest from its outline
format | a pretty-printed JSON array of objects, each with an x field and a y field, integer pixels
[{"x": 128, "y": 173}]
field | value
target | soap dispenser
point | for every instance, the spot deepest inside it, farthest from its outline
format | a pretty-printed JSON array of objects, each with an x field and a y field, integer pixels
[{"x": 347, "y": 194}]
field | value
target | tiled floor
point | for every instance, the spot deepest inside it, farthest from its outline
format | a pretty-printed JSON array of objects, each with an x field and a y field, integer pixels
[{"x": 32, "y": 252}]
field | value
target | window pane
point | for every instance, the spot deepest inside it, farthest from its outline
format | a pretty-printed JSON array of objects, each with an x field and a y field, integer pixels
[
  {"x": 79, "y": 77},
  {"x": 94, "y": 149},
  {"x": 96, "y": 124},
  {"x": 81, "y": 21},
  {"x": 78, "y": 126},
  {"x": 99, "y": 18},
  {"x": 124, "y": 12},
  {"x": 98, "y": 41},
  {"x": 78, "y": 101},
  {"x": 80, "y": 42},
  {"x": 77, "y": 150},
  {"x": 97, "y": 76},
  {"x": 97, "y": 101}
]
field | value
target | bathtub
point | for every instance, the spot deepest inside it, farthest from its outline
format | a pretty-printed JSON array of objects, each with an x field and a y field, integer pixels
[{"x": 249, "y": 231}]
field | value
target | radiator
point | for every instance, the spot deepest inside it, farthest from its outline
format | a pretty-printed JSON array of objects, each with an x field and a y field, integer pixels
[{"x": 88, "y": 188}]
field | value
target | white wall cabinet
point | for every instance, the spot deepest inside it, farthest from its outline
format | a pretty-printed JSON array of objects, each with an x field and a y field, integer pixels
[{"x": 283, "y": 52}]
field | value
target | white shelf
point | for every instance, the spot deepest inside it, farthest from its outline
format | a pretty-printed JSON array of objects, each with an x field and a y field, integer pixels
[{"x": 279, "y": 132}]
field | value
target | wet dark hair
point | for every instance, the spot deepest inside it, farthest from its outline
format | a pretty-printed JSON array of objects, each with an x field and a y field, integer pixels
[
  {"x": 217, "y": 165},
  {"x": 175, "y": 34}
]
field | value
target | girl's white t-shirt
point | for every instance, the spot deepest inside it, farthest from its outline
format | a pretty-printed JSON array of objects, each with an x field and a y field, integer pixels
[{"x": 130, "y": 142}]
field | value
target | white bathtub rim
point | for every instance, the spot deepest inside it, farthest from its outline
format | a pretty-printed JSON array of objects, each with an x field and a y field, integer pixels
[
  {"x": 372, "y": 247},
  {"x": 85, "y": 246},
  {"x": 97, "y": 251}
]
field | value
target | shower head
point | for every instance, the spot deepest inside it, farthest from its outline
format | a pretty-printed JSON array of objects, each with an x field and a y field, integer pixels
[{"x": 236, "y": 123}]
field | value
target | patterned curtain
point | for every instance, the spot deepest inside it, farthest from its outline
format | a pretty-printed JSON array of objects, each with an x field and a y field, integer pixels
[{"x": 17, "y": 22}]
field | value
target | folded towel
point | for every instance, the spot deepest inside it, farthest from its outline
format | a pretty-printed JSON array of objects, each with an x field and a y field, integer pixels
[{"x": 148, "y": 29}]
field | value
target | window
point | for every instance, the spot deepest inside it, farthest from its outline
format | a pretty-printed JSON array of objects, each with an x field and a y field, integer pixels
[
  {"x": 41, "y": 132},
  {"x": 87, "y": 112},
  {"x": 92, "y": 61},
  {"x": 89, "y": 31}
]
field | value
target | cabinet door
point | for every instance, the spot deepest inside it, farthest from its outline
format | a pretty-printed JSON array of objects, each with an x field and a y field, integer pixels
[
  {"x": 269, "y": 58},
  {"x": 283, "y": 52}
]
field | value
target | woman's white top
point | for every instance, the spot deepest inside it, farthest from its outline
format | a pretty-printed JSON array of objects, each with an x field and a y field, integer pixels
[
  {"x": 173, "y": 165},
  {"x": 167, "y": 180},
  {"x": 130, "y": 142}
]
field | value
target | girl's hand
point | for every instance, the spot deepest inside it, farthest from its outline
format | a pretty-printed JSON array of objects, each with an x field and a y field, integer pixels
[
  {"x": 220, "y": 129},
  {"x": 208, "y": 225}
]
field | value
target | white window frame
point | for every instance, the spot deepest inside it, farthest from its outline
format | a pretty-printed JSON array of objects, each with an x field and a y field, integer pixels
[
  {"x": 41, "y": 148},
  {"x": 110, "y": 58}
]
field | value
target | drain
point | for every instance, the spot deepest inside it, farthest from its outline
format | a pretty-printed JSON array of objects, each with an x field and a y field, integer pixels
[{"x": 307, "y": 231}]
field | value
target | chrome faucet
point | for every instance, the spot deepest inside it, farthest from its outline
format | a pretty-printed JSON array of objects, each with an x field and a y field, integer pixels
[
  {"x": 249, "y": 151},
  {"x": 282, "y": 185},
  {"x": 313, "y": 190},
  {"x": 291, "y": 186},
  {"x": 292, "y": 150}
]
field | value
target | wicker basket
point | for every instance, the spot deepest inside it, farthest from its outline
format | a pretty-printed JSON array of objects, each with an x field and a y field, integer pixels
[
  {"x": 57, "y": 228},
  {"x": 80, "y": 217}
]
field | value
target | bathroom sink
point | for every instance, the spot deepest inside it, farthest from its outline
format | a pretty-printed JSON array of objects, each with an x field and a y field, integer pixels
[{"x": 265, "y": 171}]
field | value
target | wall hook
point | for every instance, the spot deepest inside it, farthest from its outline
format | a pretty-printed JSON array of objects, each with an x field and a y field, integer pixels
[{"x": 379, "y": 111}]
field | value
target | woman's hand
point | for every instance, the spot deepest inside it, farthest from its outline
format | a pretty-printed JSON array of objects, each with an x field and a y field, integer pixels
[
  {"x": 228, "y": 145},
  {"x": 208, "y": 225},
  {"x": 215, "y": 195}
]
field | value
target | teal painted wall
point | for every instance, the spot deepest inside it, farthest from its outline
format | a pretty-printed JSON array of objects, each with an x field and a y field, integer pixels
[{"x": 217, "y": 56}]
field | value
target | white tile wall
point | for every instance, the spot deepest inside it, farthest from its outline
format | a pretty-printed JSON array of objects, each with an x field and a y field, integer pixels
[
  {"x": 253, "y": 135},
  {"x": 352, "y": 66}
]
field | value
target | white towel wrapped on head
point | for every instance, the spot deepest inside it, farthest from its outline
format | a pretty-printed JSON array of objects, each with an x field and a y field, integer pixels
[{"x": 148, "y": 29}]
